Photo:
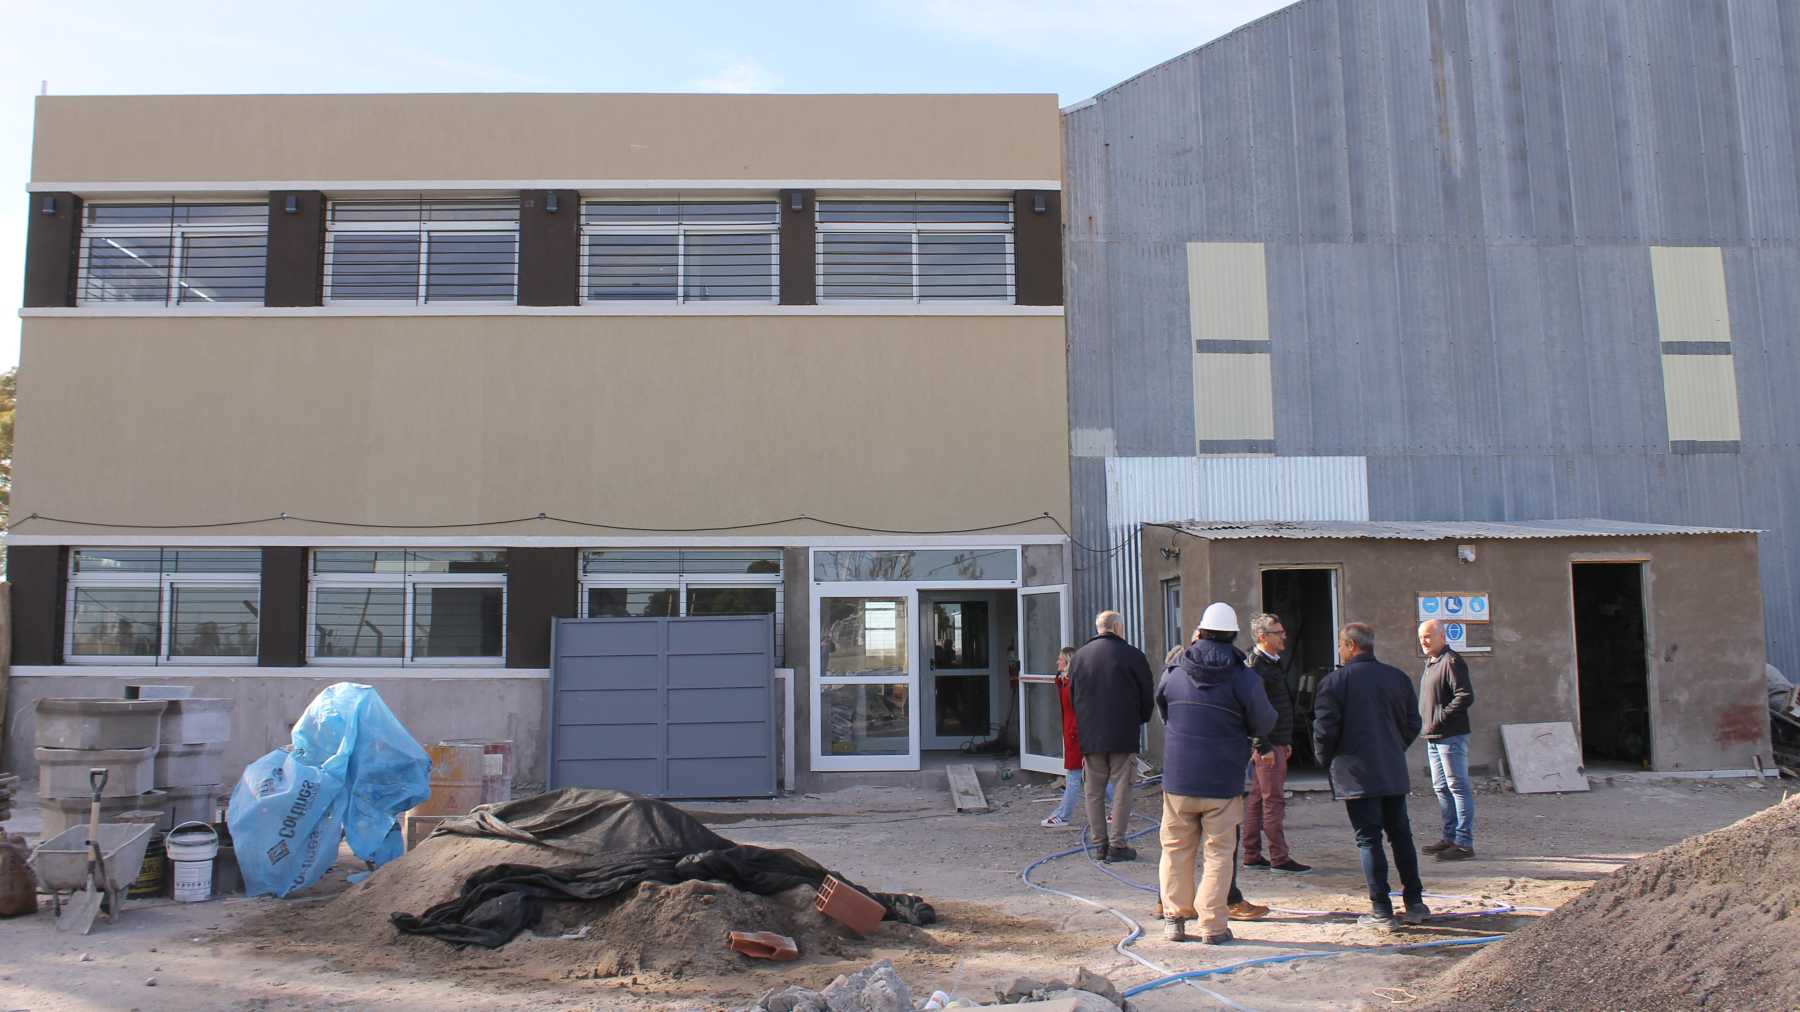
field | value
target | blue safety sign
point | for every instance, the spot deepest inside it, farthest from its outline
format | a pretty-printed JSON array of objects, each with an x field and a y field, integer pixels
[
  {"x": 1428, "y": 605},
  {"x": 1453, "y": 605}
]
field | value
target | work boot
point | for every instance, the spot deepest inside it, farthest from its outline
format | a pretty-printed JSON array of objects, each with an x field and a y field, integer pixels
[
  {"x": 1119, "y": 852},
  {"x": 1441, "y": 845},
  {"x": 1416, "y": 912},
  {"x": 1175, "y": 929},
  {"x": 1244, "y": 910},
  {"x": 1102, "y": 854},
  {"x": 1456, "y": 852},
  {"x": 1379, "y": 920},
  {"x": 1219, "y": 939}
]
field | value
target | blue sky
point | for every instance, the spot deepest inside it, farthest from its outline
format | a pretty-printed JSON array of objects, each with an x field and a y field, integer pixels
[{"x": 1073, "y": 48}]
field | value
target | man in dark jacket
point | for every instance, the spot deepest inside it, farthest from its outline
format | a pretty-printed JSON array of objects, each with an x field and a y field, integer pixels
[
  {"x": 1212, "y": 705},
  {"x": 1366, "y": 715},
  {"x": 1445, "y": 696},
  {"x": 1111, "y": 689},
  {"x": 1265, "y": 811}
]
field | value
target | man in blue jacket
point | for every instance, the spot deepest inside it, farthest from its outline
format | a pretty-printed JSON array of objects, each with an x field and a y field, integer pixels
[
  {"x": 1212, "y": 705},
  {"x": 1365, "y": 716}
]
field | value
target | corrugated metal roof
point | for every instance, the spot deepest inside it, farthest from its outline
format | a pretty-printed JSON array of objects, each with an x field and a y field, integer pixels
[{"x": 1435, "y": 530}]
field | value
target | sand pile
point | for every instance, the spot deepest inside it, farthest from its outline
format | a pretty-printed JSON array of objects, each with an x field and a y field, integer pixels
[
  {"x": 650, "y": 930},
  {"x": 1711, "y": 922}
]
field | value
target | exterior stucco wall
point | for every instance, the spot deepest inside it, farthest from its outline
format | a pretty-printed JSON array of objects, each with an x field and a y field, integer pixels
[
  {"x": 229, "y": 138},
  {"x": 1702, "y": 599},
  {"x": 903, "y": 423},
  {"x": 265, "y": 708}
]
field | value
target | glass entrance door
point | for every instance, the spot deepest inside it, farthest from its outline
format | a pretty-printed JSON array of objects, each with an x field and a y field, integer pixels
[
  {"x": 962, "y": 695},
  {"x": 864, "y": 717},
  {"x": 1043, "y": 629}
]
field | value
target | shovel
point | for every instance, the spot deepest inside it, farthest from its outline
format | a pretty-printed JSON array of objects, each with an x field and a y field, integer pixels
[{"x": 81, "y": 910}]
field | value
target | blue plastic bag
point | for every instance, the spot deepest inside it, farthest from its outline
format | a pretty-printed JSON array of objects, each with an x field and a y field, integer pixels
[
  {"x": 286, "y": 819},
  {"x": 360, "y": 770}
]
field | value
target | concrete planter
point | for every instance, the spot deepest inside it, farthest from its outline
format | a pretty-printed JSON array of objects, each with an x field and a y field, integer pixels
[
  {"x": 63, "y": 772},
  {"x": 65, "y": 722},
  {"x": 197, "y": 722},
  {"x": 61, "y": 813},
  {"x": 191, "y": 804},
  {"x": 189, "y": 765}
]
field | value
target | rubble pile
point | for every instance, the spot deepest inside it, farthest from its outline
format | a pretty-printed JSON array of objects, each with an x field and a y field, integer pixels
[
  {"x": 879, "y": 988},
  {"x": 1713, "y": 921}
]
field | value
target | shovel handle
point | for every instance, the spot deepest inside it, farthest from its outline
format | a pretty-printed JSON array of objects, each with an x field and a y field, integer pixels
[{"x": 97, "y": 777}]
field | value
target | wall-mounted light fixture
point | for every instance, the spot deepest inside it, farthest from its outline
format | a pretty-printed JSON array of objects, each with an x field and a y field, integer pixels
[
  {"x": 49, "y": 205},
  {"x": 1038, "y": 204},
  {"x": 1465, "y": 553},
  {"x": 797, "y": 201},
  {"x": 293, "y": 203},
  {"x": 1171, "y": 554},
  {"x": 550, "y": 204}
]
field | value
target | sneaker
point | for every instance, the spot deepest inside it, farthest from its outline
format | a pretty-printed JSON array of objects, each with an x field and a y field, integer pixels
[
  {"x": 1291, "y": 867},
  {"x": 1055, "y": 822},
  {"x": 1378, "y": 921},
  {"x": 1244, "y": 910},
  {"x": 1119, "y": 853},
  {"x": 1416, "y": 912},
  {"x": 1175, "y": 929},
  {"x": 1456, "y": 852},
  {"x": 1218, "y": 939},
  {"x": 1441, "y": 845},
  {"x": 1256, "y": 862}
]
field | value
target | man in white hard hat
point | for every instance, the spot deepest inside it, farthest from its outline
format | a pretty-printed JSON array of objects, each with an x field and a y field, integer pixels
[{"x": 1212, "y": 705}]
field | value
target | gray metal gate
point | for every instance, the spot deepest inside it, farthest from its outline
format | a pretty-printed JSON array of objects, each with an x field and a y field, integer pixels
[{"x": 669, "y": 707}]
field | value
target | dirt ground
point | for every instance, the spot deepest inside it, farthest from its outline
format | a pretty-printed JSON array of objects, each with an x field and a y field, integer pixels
[{"x": 238, "y": 953}]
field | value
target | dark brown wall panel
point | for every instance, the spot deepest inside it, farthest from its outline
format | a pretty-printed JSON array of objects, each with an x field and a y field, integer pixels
[
  {"x": 541, "y": 585},
  {"x": 799, "y": 242},
  {"x": 39, "y": 575},
  {"x": 296, "y": 249},
  {"x": 549, "y": 248},
  {"x": 283, "y": 640},
  {"x": 1037, "y": 247},
  {"x": 52, "y": 238}
]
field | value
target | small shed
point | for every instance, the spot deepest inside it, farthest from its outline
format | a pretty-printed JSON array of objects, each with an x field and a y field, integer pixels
[{"x": 1648, "y": 638}]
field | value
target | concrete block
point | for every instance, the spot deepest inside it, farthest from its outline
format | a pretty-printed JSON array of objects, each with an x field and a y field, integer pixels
[
  {"x": 63, "y": 772},
  {"x": 189, "y": 765},
  {"x": 65, "y": 722},
  {"x": 197, "y": 721}
]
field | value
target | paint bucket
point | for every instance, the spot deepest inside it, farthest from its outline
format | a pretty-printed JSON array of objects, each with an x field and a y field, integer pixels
[
  {"x": 151, "y": 876},
  {"x": 191, "y": 848},
  {"x": 456, "y": 777}
]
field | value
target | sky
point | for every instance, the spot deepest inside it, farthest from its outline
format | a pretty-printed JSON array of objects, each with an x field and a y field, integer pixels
[{"x": 1073, "y": 48}]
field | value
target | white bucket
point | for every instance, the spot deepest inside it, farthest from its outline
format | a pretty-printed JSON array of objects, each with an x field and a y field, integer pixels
[{"x": 191, "y": 847}]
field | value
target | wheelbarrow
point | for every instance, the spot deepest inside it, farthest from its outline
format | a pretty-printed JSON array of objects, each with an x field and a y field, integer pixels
[{"x": 61, "y": 862}]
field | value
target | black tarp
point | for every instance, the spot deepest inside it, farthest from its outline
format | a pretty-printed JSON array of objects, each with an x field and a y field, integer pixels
[{"x": 605, "y": 842}]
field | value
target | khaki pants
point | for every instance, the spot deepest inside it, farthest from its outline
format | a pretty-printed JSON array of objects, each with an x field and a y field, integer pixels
[
  {"x": 1187, "y": 823},
  {"x": 1100, "y": 769}
]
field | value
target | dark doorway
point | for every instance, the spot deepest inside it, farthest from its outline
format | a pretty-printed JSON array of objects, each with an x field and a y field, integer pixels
[
  {"x": 1612, "y": 662},
  {"x": 1304, "y": 601}
]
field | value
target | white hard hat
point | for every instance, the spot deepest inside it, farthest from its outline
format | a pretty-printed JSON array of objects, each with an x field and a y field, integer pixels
[{"x": 1219, "y": 617}]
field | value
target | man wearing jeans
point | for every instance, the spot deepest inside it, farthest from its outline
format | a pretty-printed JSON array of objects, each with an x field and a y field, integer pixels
[
  {"x": 1366, "y": 715},
  {"x": 1445, "y": 696}
]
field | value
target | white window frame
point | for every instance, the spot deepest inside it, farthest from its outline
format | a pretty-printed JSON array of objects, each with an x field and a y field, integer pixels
[
  {"x": 681, "y": 231},
  {"x": 681, "y": 582},
  {"x": 425, "y": 228},
  {"x": 177, "y": 234},
  {"x": 164, "y": 583},
  {"x": 409, "y": 584},
  {"x": 914, "y": 230}
]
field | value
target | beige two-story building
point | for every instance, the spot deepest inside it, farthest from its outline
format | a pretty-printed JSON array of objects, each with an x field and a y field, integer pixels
[{"x": 381, "y": 387}]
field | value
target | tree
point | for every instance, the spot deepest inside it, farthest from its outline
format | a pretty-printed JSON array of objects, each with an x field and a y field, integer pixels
[{"x": 9, "y": 389}]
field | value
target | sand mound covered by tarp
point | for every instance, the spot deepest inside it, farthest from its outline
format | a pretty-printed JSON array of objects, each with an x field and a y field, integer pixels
[
  {"x": 1711, "y": 922},
  {"x": 668, "y": 930}
]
